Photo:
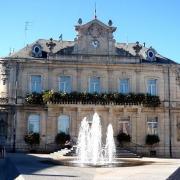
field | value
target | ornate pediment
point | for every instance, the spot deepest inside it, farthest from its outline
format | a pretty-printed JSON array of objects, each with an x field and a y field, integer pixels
[
  {"x": 96, "y": 25},
  {"x": 95, "y": 37}
]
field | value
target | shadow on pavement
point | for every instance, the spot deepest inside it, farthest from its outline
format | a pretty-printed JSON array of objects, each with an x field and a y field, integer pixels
[
  {"x": 175, "y": 175},
  {"x": 27, "y": 164}
]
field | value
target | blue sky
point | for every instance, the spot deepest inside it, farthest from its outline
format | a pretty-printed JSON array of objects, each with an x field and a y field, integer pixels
[{"x": 154, "y": 22}]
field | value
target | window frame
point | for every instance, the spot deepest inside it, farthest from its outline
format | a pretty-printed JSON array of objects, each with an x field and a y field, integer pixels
[
  {"x": 59, "y": 123},
  {"x": 151, "y": 88},
  {"x": 28, "y": 125},
  {"x": 59, "y": 83},
  {"x": 89, "y": 84},
  {"x": 31, "y": 88},
  {"x": 125, "y": 120},
  {"x": 119, "y": 87},
  {"x": 150, "y": 129}
]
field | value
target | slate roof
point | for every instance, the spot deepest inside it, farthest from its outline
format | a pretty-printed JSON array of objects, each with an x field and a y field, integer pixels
[
  {"x": 66, "y": 48},
  {"x": 26, "y": 52}
]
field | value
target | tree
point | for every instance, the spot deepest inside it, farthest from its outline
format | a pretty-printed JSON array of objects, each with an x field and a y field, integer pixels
[
  {"x": 32, "y": 139},
  {"x": 61, "y": 138},
  {"x": 123, "y": 137},
  {"x": 152, "y": 139}
]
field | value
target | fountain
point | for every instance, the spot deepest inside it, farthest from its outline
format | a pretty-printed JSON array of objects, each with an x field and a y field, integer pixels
[{"x": 90, "y": 149}]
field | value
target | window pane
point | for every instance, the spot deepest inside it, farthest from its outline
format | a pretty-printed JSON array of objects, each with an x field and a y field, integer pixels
[
  {"x": 33, "y": 123},
  {"x": 65, "y": 84},
  {"x": 152, "y": 125},
  {"x": 36, "y": 83},
  {"x": 94, "y": 85},
  {"x": 124, "y": 126},
  {"x": 152, "y": 86},
  {"x": 124, "y": 86},
  {"x": 63, "y": 124}
]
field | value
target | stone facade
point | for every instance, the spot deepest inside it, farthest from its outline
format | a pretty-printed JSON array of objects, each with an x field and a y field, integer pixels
[{"x": 94, "y": 53}]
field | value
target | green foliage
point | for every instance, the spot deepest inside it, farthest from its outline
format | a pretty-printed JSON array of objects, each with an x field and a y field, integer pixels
[
  {"x": 61, "y": 138},
  {"x": 32, "y": 139},
  {"x": 34, "y": 98},
  {"x": 95, "y": 98},
  {"x": 123, "y": 137},
  {"x": 152, "y": 139}
]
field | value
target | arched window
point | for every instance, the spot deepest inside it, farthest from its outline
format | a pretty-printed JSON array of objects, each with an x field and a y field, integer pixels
[
  {"x": 63, "y": 124},
  {"x": 34, "y": 123}
]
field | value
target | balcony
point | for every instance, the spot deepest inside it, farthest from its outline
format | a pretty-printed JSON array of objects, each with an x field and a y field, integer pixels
[{"x": 51, "y": 97}]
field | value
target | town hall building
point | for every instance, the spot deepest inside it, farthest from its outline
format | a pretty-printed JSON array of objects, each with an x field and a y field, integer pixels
[{"x": 129, "y": 85}]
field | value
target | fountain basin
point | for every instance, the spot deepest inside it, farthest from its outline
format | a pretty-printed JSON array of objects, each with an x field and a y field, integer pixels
[{"x": 119, "y": 162}]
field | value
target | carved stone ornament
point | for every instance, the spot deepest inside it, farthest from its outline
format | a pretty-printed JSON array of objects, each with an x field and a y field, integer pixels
[
  {"x": 137, "y": 48},
  {"x": 51, "y": 45},
  {"x": 5, "y": 72},
  {"x": 95, "y": 31}
]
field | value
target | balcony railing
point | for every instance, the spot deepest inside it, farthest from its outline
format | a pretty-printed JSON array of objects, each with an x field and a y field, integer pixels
[{"x": 95, "y": 98}]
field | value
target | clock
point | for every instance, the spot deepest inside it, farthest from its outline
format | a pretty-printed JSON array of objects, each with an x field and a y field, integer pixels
[{"x": 95, "y": 43}]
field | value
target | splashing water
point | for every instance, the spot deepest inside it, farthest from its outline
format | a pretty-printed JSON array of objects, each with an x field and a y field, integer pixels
[{"x": 89, "y": 146}]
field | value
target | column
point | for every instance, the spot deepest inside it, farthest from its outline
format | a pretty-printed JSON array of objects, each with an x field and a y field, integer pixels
[
  {"x": 110, "y": 80},
  {"x": 79, "y": 71}
]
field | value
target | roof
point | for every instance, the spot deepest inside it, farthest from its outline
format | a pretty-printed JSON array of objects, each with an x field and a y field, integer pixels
[
  {"x": 66, "y": 48},
  {"x": 26, "y": 52}
]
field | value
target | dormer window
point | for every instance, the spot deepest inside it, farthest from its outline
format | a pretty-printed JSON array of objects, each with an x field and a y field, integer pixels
[
  {"x": 151, "y": 54},
  {"x": 37, "y": 51}
]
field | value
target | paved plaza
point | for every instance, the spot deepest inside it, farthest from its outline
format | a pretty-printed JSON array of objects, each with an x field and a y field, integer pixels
[{"x": 33, "y": 167}]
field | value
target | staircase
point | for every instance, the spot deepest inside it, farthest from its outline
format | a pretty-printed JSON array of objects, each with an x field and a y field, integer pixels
[
  {"x": 64, "y": 152},
  {"x": 124, "y": 153},
  {"x": 120, "y": 153}
]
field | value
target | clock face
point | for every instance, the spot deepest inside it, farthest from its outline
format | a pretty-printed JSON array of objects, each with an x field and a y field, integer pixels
[{"x": 95, "y": 43}]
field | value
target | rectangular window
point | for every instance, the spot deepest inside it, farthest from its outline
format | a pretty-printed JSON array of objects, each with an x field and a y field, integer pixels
[
  {"x": 124, "y": 125},
  {"x": 33, "y": 123},
  {"x": 124, "y": 86},
  {"x": 152, "y": 86},
  {"x": 65, "y": 84},
  {"x": 63, "y": 124},
  {"x": 36, "y": 83},
  {"x": 152, "y": 125},
  {"x": 94, "y": 84}
]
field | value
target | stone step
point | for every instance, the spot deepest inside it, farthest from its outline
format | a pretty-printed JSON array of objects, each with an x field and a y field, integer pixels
[{"x": 120, "y": 152}]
